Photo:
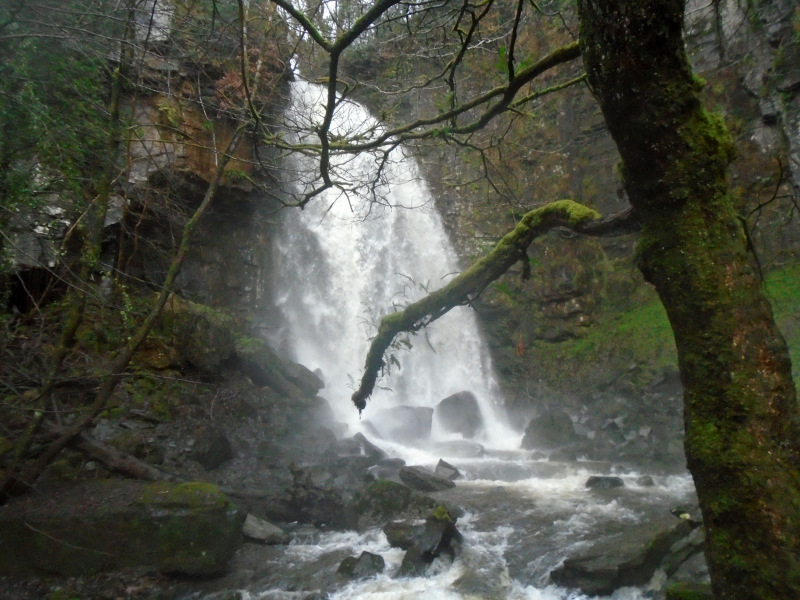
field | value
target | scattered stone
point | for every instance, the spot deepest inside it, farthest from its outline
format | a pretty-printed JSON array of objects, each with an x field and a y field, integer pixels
[
  {"x": 424, "y": 480},
  {"x": 264, "y": 532},
  {"x": 460, "y": 413},
  {"x": 551, "y": 429},
  {"x": 645, "y": 481},
  {"x": 604, "y": 482},
  {"x": 447, "y": 471},
  {"x": 366, "y": 565}
]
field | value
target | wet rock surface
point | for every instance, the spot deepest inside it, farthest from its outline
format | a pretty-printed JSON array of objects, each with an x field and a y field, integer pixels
[
  {"x": 366, "y": 565},
  {"x": 424, "y": 480},
  {"x": 460, "y": 413},
  {"x": 628, "y": 559},
  {"x": 186, "y": 528}
]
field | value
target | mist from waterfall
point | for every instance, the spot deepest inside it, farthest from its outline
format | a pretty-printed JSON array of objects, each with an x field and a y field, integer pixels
[{"x": 353, "y": 255}]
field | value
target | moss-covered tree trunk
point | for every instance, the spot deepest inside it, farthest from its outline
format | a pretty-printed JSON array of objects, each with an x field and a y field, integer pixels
[{"x": 740, "y": 407}]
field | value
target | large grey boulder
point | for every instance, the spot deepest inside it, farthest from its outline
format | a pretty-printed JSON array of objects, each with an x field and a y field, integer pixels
[
  {"x": 551, "y": 429},
  {"x": 628, "y": 558},
  {"x": 186, "y": 528},
  {"x": 460, "y": 413}
]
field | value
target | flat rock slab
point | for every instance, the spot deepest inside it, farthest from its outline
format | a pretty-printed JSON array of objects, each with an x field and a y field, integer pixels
[
  {"x": 424, "y": 480},
  {"x": 187, "y": 528},
  {"x": 627, "y": 558}
]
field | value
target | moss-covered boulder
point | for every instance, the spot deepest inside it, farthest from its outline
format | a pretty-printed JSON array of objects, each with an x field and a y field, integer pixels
[
  {"x": 186, "y": 528},
  {"x": 690, "y": 591},
  {"x": 205, "y": 337}
]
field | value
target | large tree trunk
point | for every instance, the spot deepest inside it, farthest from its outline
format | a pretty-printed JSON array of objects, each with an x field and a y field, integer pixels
[{"x": 740, "y": 408}]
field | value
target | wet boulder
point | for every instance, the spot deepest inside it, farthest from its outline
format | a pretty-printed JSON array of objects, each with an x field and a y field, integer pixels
[
  {"x": 460, "y": 413},
  {"x": 424, "y": 542},
  {"x": 187, "y": 528},
  {"x": 424, "y": 480},
  {"x": 551, "y": 429},
  {"x": 366, "y": 565},
  {"x": 368, "y": 448},
  {"x": 404, "y": 423},
  {"x": 264, "y": 532},
  {"x": 446, "y": 470},
  {"x": 382, "y": 498},
  {"x": 604, "y": 482},
  {"x": 627, "y": 558}
]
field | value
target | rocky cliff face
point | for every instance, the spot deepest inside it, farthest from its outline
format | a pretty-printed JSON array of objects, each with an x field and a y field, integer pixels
[{"x": 545, "y": 331}]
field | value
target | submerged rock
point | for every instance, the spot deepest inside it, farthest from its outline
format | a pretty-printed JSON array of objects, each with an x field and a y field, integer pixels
[{"x": 604, "y": 482}]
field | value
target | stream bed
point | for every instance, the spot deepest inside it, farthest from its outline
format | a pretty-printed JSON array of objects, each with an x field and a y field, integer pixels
[{"x": 521, "y": 518}]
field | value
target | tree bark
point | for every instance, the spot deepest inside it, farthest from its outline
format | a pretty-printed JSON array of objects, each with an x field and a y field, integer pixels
[{"x": 740, "y": 408}]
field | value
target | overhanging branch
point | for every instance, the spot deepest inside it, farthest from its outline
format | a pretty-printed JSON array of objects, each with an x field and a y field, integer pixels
[{"x": 466, "y": 287}]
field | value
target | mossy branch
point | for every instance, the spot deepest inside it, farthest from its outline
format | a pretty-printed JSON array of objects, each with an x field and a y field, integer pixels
[{"x": 466, "y": 287}]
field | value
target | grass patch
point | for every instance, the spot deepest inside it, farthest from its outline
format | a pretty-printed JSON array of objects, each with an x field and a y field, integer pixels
[
  {"x": 783, "y": 290},
  {"x": 642, "y": 336}
]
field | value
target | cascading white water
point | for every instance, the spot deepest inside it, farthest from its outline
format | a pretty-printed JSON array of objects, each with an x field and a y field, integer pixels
[{"x": 352, "y": 256}]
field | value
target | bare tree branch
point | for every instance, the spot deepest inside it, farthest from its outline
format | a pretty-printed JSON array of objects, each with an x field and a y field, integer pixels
[{"x": 469, "y": 284}]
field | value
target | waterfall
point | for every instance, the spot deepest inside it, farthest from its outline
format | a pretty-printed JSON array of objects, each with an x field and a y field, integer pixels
[{"x": 353, "y": 255}]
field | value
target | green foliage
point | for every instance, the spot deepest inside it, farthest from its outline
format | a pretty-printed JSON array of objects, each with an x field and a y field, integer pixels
[
  {"x": 783, "y": 289},
  {"x": 52, "y": 120},
  {"x": 441, "y": 513}
]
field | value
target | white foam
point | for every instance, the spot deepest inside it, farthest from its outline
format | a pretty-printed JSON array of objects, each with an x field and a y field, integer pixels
[{"x": 352, "y": 256}]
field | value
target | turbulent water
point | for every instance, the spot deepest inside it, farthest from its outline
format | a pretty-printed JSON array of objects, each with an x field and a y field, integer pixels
[
  {"x": 522, "y": 519},
  {"x": 363, "y": 249},
  {"x": 345, "y": 260}
]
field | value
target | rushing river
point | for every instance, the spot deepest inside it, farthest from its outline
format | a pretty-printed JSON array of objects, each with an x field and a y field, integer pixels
[
  {"x": 522, "y": 518},
  {"x": 355, "y": 253}
]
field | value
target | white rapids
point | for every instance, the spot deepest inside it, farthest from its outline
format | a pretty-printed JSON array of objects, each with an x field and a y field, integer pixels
[
  {"x": 355, "y": 254},
  {"x": 343, "y": 262}
]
